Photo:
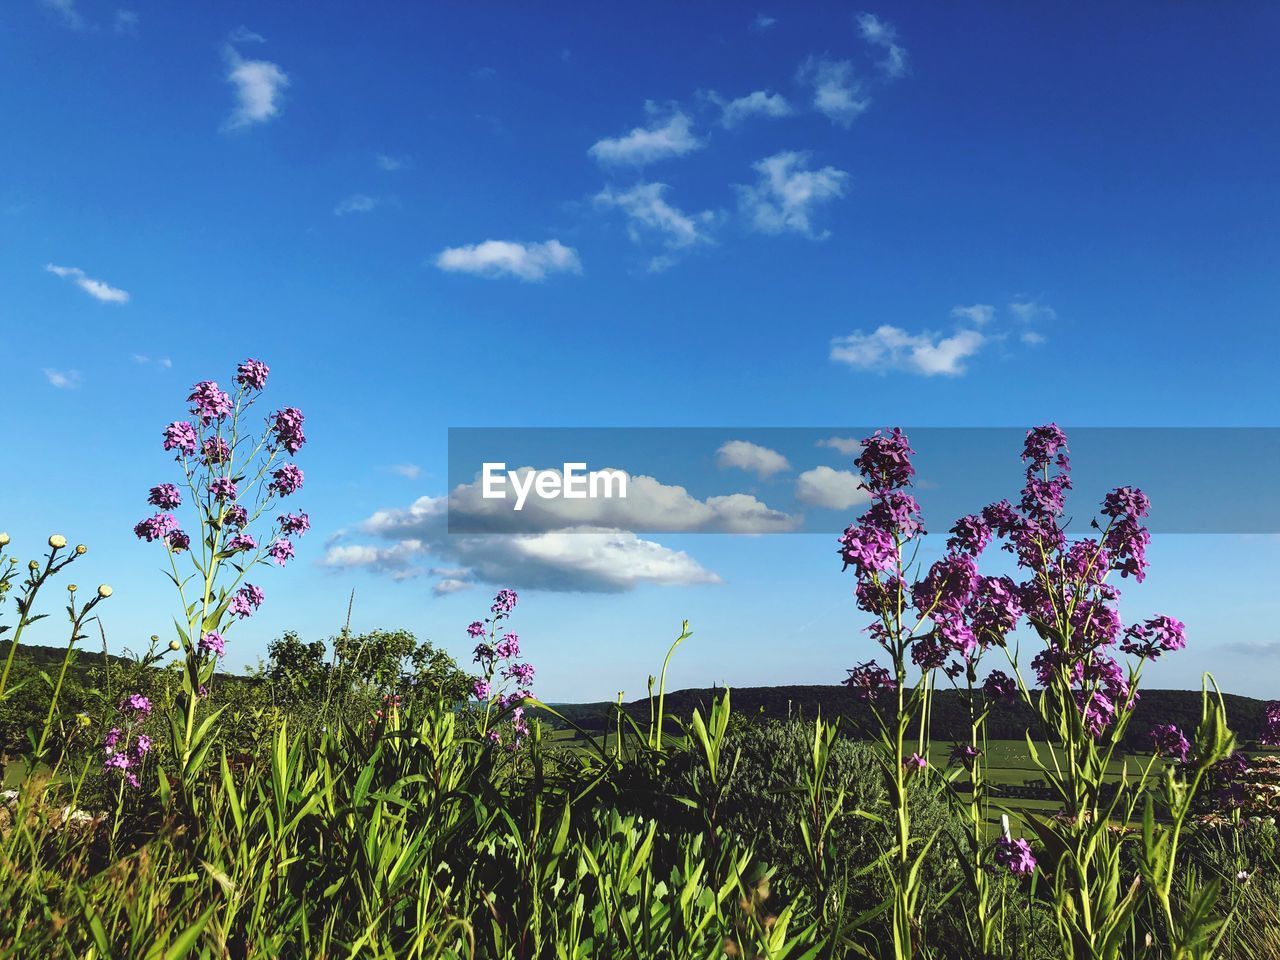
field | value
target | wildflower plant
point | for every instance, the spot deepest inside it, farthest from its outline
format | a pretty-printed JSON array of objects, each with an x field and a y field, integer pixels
[
  {"x": 505, "y": 682},
  {"x": 234, "y": 471},
  {"x": 1087, "y": 671}
]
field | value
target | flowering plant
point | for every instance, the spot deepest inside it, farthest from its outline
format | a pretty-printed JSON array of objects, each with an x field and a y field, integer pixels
[
  {"x": 505, "y": 682},
  {"x": 233, "y": 476}
]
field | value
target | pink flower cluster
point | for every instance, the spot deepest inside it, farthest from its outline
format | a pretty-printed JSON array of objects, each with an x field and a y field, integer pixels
[{"x": 500, "y": 659}]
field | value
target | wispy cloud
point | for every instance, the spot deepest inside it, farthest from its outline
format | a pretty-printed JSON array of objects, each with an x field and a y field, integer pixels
[
  {"x": 356, "y": 203},
  {"x": 979, "y": 314},
  {"x": 98, "y": 289},
  {"x": 498, "y": 258},
  {"x": 664, "y": 138},
  {"x": 759, "y": 103},
  {"x": 389, "y": 163},
  {"x": 763, "y": 22},
  {"x": 450, "y": 585},
  {"x": 125, "y": 23},
  {"x": 882, "y": 34},
  {"x": 62, "y": 379},
  {"x": 845, "y": 445},
  {"x": 837, "y": 93},
  {"x": 892, "y": 348},
  {"x": 143, "y": 360},
  {"x": 67, "y": 13},
  {"x": 259, "y": 85},
  {"x": 787, "y": 194},
  {"x": 751, "y": 457},
  {"x": 410, "y": 470},
  {"x": 833, "y": 489},
  {"x": 243, "y": 34},
  {"x": 1032, "y": 311},
  {"x": 1253, "y": 648},
  {"x": 648, "y": 212}
]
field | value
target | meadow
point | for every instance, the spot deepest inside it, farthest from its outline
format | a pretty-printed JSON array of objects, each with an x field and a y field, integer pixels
[{"x": 368, "y": 796}]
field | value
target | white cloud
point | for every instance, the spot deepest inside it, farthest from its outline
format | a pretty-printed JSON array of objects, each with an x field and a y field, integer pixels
[
  {"x": 98, "y": 289},
  {"x": 979, "y": 314},
  {"x": 66, "y": 10},
  {"x": 1031, "y": 338},
  {"x": 763, "y": 22},
  {"x": 410, "y": 470},
  {"x": 126, "y": 22},
  {"x": 759, "y": 103},
  {"x": 143, "y": 359},
  {"x": 744, "y": 455},
  {"x": 356, "y": 203},
  {"x": 670, "y": 138},
  {"x": 243, "y": 34},
  {"x": 1030, "y": 311},
  {"x": 834, "y": 489},
  {"x": 496, "y": 258},
  {"x": 648, "y": 211},
  {"x": 845, "y": 445},
  {"x": 892, "y": 348},
  {"x": 62, "y": 379},
  {"x": 450, "y": 585},
  {"x": 837, "y": 93},
  {"x": 389, "y": 163},
  {"x": 786, "y": 194},
  {"x": 882, "y": 34},
  {"x": 586, "y": 559},
  {"x": 258, "y": 86},
  {"x": 649, "y": 505}
]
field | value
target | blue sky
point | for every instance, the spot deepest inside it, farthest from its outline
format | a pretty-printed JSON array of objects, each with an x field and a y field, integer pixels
[{"x": 454, "y": 215}]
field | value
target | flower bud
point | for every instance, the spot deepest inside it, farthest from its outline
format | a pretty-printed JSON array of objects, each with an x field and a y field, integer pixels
[
  {"x": 33, "y": 566},
  {"x": 57, "y": 541},
  {"x": 71, "y": 588},
  {"x": 4, "y": 539},
  {"x": 174, "y": 645},
  {"x": 81, "y": 549},
  {"x": 104, "y": 591}
]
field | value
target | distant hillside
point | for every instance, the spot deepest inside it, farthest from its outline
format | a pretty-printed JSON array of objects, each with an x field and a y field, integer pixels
[{"x": 950, "y": 719}]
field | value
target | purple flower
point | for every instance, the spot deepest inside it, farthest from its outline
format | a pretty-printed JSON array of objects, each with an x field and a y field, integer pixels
[
  {"x": 1169, "y": 741},
  {"x": 522, "y": 673},
  {"x": 1000, "y": 686},
  {"x": 241, "y": 542},
  {"x": 481, "y": 690},
  {"x": 1096, "y": 711},
  {"x": 252, "y": 374},
  {"x": 994, "y": 609},
  {"x": 868, "y": 680},
  {"x": 287, "y": 479},
  {"x": 965, "y": 753},
  {"x": 894, "y": 512},
  {"x": 1271, "y": 716},
  {"x": 165, "y": 496},
  {"x": 476, "y": 629},
  {"x": 915, "y": 762},
  {"x": 156, "y": 528},
  {"x": 180, "y": 436},
  {"x": 235, "y": 516},
  {"x": 504, "y": 602},
  {"x": 178, "y": 541},
  {"x": 212, "y": 642},
  {"x": 280, "y": 551},
  {"x": 141, "y": 745},
  {"x": 1015, "y": 856},
  {"x": 137, "y": 703},
  {"x": 1156, "y": 636},
  {"x": 115, "y": 761},
  {"x": 885, "y": 461},
  {"x": 215, "y": 451},
  {"x": 245, "y": 601},
  {"x": 1126, "y": 502},
  {"x": 868, "y": 549},
  {"x": 222, "y": 489},
  {"x": 947, "y": 586},
  {"x": 112, "y": 738},
  {"x": 294, "y": 524},
  {"x": 970, "y": 535},
  {"x": 288, "y": 429},
  {"x": 508, "y": 647},
  {"x": 208, "y": 402},
  {"x": 1045, "y": 445}
]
